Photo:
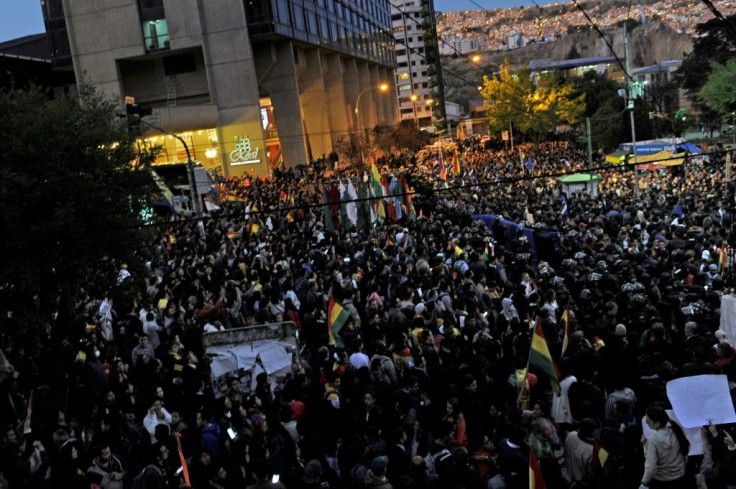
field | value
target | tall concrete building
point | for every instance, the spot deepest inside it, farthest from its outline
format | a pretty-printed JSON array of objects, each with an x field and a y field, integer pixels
[
  {"x": 249, "y": 84},
  {"x": 418, "y": 69},
  {"x": 458, "y": 45}
]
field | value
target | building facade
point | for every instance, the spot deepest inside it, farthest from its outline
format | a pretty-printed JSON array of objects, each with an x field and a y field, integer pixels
[
  {"x": 459, "y": 45},
  {"x": 418, "y": 70},
  {"x": 249, "y": 84}
]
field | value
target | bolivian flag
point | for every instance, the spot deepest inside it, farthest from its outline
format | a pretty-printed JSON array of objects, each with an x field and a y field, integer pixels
[
  {"x": 540, "y": 357},
  {"x": 254, "y": 228},
  {"x": 336, "y": 317},
  {"x": 234, "y": 234},
  {"x": 536, "y": 481},
  {"x": 721, "y": 259},
  {"x": 235, "y": 198},
  {"x": 599, "y": 459},
  {"x": 458, "y": 251}
]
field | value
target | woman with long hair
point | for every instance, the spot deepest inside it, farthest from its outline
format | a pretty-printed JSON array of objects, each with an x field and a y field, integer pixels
[{"x": 665, "y": 452}]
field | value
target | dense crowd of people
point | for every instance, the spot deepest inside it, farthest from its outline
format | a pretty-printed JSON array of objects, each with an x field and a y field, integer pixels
[{"x": 427, "y": 384}]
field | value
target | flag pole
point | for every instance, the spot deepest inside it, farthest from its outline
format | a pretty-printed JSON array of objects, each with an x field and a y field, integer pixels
[{"x": 526, "y": 374}]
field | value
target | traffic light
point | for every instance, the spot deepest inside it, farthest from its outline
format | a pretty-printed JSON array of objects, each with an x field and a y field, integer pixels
[
  {"x": 636, "y": 89},
  {"x": 134, "y": 112}
]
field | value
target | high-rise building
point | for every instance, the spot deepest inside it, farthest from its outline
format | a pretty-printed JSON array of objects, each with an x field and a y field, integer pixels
[
  {"x": 418, "y": 69},
  {"x": 458, "y": 45},
  {"x": 247, "y": 83}
]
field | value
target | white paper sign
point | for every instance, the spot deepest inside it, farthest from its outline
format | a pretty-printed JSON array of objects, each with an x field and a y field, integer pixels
[
  {"x": 223, "y": 364},
  {"x": 693, "y": 435},
  {"x": 700, "y": 400},
  {"x": 274, "y": 357}
]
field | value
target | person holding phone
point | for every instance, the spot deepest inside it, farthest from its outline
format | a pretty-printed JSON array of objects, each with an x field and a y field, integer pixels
[
  {"x": 157, "y": 414},
  {"x": 262, "y": 478}
]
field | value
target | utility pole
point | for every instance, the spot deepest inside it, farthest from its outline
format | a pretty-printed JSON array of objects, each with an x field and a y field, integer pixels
[
  {"x": 630, "y": 107},
  {"x": 590, "y": 144}
]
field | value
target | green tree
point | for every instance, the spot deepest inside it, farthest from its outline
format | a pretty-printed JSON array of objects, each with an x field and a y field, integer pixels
[
  {"x": 549, "y": 105},
  {"x": 504, "y": 97},
  {"x": 712, "y": 43},
  {"x": 350, "y": 146},
  {"x": 607, "y": 126},
  {"x": 719, "y": 91},
  {"x": 72, "y": 188},
  {"x": 513, "y": 99},
  {"x": 598, "y": 90}
]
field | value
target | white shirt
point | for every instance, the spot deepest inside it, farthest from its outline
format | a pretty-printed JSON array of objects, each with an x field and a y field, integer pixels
[{"x": 360, "y": 359}]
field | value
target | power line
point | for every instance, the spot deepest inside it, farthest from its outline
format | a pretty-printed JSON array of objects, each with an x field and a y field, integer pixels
[{"x": 727, "y": 26}]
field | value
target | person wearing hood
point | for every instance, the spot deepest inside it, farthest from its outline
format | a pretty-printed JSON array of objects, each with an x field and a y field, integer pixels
[
  {"x": 509, "y": 310},
  {"x": 665, "y": 452},
  {"x": 375, "y": 477}
]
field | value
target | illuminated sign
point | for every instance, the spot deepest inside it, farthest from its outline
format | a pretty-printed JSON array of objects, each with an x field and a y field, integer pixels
[{"x": 243, "y": 154}]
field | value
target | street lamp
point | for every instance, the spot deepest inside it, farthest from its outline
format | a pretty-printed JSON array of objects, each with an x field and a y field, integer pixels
[
  {"x": 193, "y": 192},
  {"x": 414, "y": 97},
  {"x": 383, "y": 87}
]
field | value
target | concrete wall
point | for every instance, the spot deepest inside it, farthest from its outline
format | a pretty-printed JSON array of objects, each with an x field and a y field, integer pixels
[
  {"x": 233, "y": 84},
  {"x": 276, "y": 64}
]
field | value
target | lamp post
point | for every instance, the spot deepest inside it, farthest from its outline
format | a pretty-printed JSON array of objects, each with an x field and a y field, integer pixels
[
  {"x": 193, "y": 195},
  {"x": 630, "y": 108},
  {"x": 383, "y": 87},
  {"x": 414, "y": 97}
]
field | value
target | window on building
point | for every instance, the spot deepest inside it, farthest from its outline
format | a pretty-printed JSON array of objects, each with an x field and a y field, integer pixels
[
  {"x": 153, "y": 24},
  {"x": 156, "y": 34}
]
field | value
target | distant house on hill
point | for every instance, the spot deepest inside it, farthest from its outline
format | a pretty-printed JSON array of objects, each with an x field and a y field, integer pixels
[
  {"x": 515, "y": 39},
  {"x": 670, "y": 98},
  {"x": 459, "y": 45},
  {"x": 573, "y": 68}
]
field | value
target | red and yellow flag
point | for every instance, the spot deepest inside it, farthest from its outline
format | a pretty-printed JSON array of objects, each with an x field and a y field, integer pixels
[{"x": 536, "y": 481}]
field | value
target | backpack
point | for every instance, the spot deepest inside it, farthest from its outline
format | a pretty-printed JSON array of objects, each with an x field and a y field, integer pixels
[{"x": 139, "y": 481}]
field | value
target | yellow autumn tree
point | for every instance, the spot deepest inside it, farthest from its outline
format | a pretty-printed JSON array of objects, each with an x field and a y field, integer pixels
[{"x": 532, "y": 105}]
